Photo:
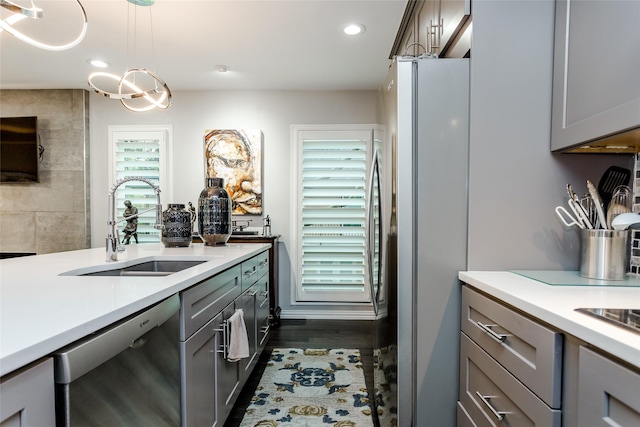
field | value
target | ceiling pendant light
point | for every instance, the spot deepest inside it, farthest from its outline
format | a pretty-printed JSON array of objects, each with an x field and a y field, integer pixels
[
  {"x": 20, "y": 13},
  {"x": 137, "y": 89}
]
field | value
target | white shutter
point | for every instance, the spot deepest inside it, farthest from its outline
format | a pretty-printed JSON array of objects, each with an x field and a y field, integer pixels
[
  {"x": 140, "y": 152},
  {"x": 331, "y": 213}
]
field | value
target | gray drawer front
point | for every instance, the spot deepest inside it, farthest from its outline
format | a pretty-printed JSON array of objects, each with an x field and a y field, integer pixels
[
  {"x": 481, "y": 375},
  {"x": 249, "y": 272},
  {"x": 205, "y": 300},
  {"x": 530, "y": 351},
  {"x": 608, "y": 393},
  {"x": 463, "y": 417},
  {"x": 262, "y": 263}
]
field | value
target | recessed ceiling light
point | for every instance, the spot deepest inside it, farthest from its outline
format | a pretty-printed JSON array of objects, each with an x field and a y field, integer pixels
[
  {"x": 221, "y": 68},
  {"x": 354, "y": 29},
  {"x": 98, "y": 63}
]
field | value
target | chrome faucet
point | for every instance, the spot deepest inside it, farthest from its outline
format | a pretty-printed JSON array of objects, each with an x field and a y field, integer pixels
[{"x": 113, "y": 241}]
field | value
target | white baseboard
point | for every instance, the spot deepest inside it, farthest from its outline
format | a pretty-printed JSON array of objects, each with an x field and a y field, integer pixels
[{"x": 327, "y": 314}]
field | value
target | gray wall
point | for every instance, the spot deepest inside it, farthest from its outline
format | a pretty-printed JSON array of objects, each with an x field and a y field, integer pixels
[
  {"x": 272, "y": 111},
  {"x": 52, "y": 215},
  {"x": 515, "y": 182}
]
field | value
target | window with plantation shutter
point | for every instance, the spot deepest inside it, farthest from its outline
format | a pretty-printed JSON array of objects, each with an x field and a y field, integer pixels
[
  {"x": 332, "y": 169},
  {"x": 140, "y": 151}
]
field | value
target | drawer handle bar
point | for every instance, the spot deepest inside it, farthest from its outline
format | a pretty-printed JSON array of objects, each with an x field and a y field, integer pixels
[
  {"x": 250, "y": 273},
  {"x": 265, "y": 330},
  {"x": 223, "y": 328},
  {"x": 254, "y": 293},
  {"x": 493, "y": 334},
  {"x": 263, "y": 263},
  {"x": 485, "y": 399}
]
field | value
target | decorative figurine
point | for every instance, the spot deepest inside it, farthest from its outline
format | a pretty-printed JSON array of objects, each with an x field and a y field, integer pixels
[
  {"x": 192, "y": 209},
  {"x": 131, "y": 229}
]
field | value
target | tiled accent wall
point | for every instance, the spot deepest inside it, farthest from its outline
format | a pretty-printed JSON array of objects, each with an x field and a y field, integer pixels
[
  {"x": 635, "y": 236},
  {"x": 52, "y": 215}
]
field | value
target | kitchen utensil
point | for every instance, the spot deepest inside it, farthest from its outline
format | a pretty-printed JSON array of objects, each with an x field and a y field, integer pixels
[
  {"x": 589, "y": 206},
  {"x": 580, "y": 212},
  {"x": 612, "y": 178},
  {"x": 625, "y": 220},
  {"x": 621, "y": 202},
  {"x": 593, "y": 191},
  {"x": 567, "y": 218}
]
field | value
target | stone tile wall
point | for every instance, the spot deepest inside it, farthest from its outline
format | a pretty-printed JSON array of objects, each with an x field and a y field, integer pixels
[
  {"x": 635, "y": 234},
  {"x": 52, "y": 215}
]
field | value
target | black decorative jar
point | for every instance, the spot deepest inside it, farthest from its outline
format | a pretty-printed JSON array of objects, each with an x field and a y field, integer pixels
[
  {"x": 177, "y": 226},
  {"x": 214, "y": 213}
]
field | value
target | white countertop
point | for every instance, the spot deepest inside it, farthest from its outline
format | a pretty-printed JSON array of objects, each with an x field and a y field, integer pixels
[
  {"x": 555, "y": 305},
  {"x": 42, "y": 311}
]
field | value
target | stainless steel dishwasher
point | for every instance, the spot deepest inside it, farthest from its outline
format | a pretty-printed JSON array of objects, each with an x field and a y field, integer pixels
[{"x": 127, "y": 374}]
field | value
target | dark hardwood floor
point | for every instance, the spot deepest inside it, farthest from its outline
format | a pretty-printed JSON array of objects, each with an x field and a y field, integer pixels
[{"x": 310, "y": 334}]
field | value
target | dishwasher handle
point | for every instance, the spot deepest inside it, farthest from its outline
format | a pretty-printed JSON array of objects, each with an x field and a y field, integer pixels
[{"x": 85, "y": 355}]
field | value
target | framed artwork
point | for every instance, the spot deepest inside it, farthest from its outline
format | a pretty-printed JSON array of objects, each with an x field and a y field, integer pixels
[{"x": 236, "y": 156}]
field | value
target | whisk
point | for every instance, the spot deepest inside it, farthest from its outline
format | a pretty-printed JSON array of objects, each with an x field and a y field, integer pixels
[{"x": 621, "y": 202}]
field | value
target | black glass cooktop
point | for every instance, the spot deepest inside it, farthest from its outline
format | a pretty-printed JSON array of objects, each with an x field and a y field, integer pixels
[{"x": 626, "y": 318}]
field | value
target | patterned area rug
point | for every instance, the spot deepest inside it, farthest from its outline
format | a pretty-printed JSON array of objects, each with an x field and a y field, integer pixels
[{"x": 311, "y": 387}]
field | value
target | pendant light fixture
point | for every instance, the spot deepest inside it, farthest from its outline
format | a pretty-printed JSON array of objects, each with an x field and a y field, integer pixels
[
  {"x": 34, "y": 12},
  {"x": 137, "y": 89}
]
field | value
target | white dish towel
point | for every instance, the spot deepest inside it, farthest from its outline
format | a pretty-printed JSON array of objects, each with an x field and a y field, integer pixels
[{"x": 239, "y": 341}]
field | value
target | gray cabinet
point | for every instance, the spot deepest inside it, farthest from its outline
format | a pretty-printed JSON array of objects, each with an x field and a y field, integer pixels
[
  {"x": 435, "y": 27},
  {"x": 596, "y": 93},
  {"x": 510, "y": 366},
  {"x": 27, "y": 396},
  {"x": 255, "y": 304},
  {"x": 608, "y": 392},
  {"x": 210, "y": 383}
]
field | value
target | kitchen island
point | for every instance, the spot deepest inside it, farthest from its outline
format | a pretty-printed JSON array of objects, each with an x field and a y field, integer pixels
[
  {"x": 46, "y": 303},
  {"x": 527, "y": 355}
]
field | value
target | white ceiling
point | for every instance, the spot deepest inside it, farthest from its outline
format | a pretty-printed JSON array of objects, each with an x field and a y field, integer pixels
[{"x": 267, "y": 44}]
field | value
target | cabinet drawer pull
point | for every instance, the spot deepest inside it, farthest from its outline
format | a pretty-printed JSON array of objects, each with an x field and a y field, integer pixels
[
  {"x": 493, "y": 334},
  {"x": 265, "y": 329},
  {"x": 250, "y": 273},
  {"x": 223, "y": 328},
  {"x": 485, "y": 399},
  {"x": 263, "y": 263},
  {"x": 253, "y": 294}
]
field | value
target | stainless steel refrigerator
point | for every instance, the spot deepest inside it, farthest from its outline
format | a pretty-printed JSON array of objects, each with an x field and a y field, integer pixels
[{"x": 424, "y": 211}]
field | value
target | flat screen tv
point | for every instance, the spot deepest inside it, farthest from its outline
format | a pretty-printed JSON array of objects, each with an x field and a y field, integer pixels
[{"x": 19, "y": 149}]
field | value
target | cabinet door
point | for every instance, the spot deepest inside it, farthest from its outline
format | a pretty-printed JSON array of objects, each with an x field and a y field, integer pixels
[
  {"x": 494, "y": 397},
  {"x": 247, "y": 302},
  {"x": 608, "y": 393},
  {"x": 206, "y": 299},
  {"x": 27, "y": 397},
  {"x": 527, "y": 349},
  {"x": 595, "y": 93},
  {"x": 198, "y": 376},
  {"x": 262, "y": 312},
  {"x": 453, "y": 17},
  {"x": 228, "y": 374}
]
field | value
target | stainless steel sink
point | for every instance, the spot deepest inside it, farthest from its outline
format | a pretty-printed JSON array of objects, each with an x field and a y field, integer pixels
[{"x": 153, "y": 268}]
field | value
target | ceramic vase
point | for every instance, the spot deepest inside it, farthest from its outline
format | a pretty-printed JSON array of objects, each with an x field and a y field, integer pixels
[
  {"x": 214, "y": 213},
  {"x": 177, "y": 226}
]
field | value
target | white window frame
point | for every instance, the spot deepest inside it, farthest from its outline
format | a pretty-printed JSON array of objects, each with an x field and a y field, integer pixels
[
  {"x": 328, "y": 296},
  {"x": 164, "y": 134}
]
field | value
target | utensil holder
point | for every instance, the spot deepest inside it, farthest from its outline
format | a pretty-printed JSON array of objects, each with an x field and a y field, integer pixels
[{"x": 604, "y": 254}]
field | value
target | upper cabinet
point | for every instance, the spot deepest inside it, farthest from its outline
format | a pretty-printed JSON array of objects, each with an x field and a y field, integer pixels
[
  {"x": 437, "y": 27},
  {"x": 596, "y": 76}
]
